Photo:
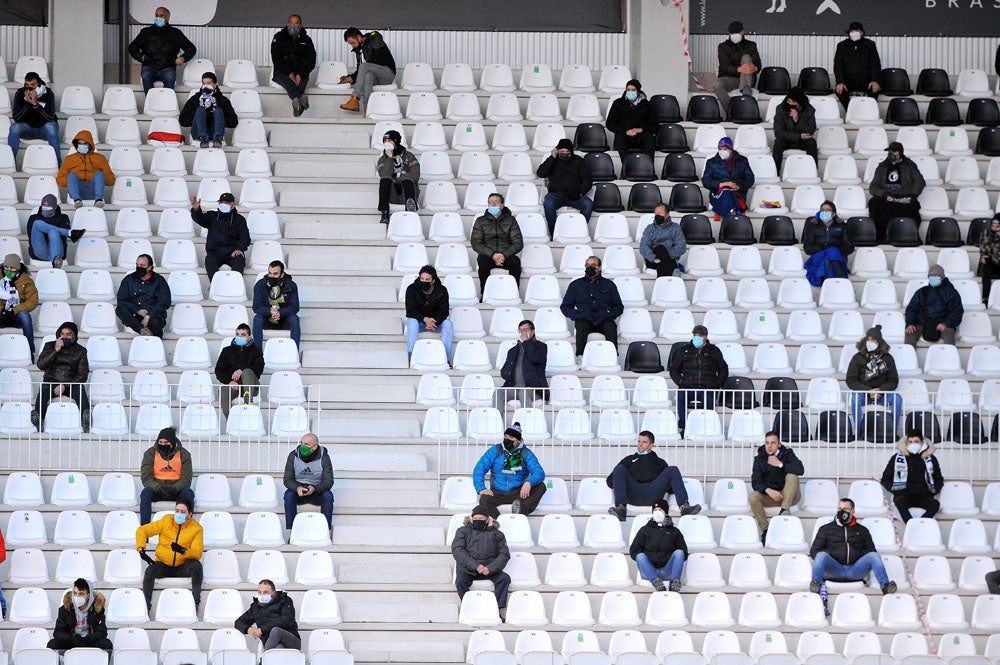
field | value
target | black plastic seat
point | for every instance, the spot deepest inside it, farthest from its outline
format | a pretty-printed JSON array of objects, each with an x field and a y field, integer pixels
[
  {"x": 743, "y": 110},
  {"x": 815, "y": 81},
  {"x": 602, "y": 167},
  {"x": 781, "y": 392},
  {"x": 774, "y": 81},
  {"x": 666, "y": 107},
  {"x": 737, "y": 230},
  {"x": 679, "y": 167},
  {"x": 926, "y": 422},
  {"x": 878, "y": 426},
  {"x": 672, "y": 138},
  {"x": 591, "y": 137},
  {"x": 983, "y": 112},
  {"x": 988, "y": 142},
  {"x": 895, "y": 82},
  {"x": 943, "y": 112},
  {"x": 704, "y": 109},
  {"x": 644, "y": 197},
  {"x": 697, "y": 230},
  {"x": 903, "y": 232},
  {"x": 966, "y": 427},
  {"x": 943, "y": 232},
  {"x": 933, "y": 83},
  {"x": 903, "y": 111},
  {"x": 777, "y": 230},
  {"x": 674, "y": 350},
  {"x": 607, "y": 197},
  {"x": 686, "y": 197},
  {"x": 861, "y": 232},
  {"x": 792, "y": 426},
  {"x": 638, "y": 167},
  {"x": 739, "y": 393},
  {"x": 977, "y": 228},
  {"x": 643, "y": 357},
  {"x": 835, "y": 427}
]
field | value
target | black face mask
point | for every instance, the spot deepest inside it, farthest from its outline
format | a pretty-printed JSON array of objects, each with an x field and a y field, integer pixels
[
  {"x": 510, "y": 445},
  {"x": 164, "y": 449},
  {"x": 843, "y": 516},
  {"x": 426, "y": 287},
  {"x": 590, "y": 271},
  {"x": 140, "y": 272},
  {"x": 273, "y": 282},
  {"x": 479, "y": 525},
  {"x": 565, "y": 157},
  {"x": 659, "y": 220}
]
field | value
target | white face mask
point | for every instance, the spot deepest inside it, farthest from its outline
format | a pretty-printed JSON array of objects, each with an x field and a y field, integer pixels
[
  {"x": 736, "y": 37},
  {"x": 659, "y": 516},
  {"x": 79, "y": 601},
  {"x": 386, "y": 145},
  {"x": 854, "y": 35},
  {"x": 225, "y": 208},
  {"x": 264, "y": 598},
  {"x": 724, "y": 155},
  {"x": 871, "y": 346},
  {"x": 914, "y": 448}
]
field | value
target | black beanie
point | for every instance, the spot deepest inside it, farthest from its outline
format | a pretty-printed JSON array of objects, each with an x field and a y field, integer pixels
[
  {"x": 514, "y": 431},
  {"x": 170, "y": 434},
  {"x": 875, "y": 333}
]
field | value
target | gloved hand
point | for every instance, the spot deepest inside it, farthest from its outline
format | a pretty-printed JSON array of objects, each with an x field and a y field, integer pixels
[
  {"x": 168, "y": 492},
  {"x": 145, "y": 557},
  {"x": 177, "y": 548}
]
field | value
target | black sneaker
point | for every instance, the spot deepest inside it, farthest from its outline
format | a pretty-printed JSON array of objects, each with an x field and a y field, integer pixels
[
  {"x": 619, "y": 511},
  {"x": 784, "y": 511},
  {"x": 385, "y": 217},
  {"x": 814, "y": 586},
  {"x": 890, "y": 587},
  {"x": 675, "y": 585},
  {"x": 216, "y": 144},
  {"x": 763, "y": 538},
  {"x": 411, "y": 205},
  {"x": 76, "y": 234},
  {"x": 57, "y": 262},
  {"x": 503, "y": 614},
  {"x": 304, "y": 100},
  {"x": 659, "y": 585},
  {"x": 203, "y": 144},
  {"x": 688, "y": 509},
  {"x": 296, "y": 107},
  {"x": 515, "y": 507}
]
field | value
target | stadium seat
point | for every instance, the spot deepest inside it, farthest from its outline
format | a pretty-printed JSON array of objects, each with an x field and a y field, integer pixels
[
  {"x": 903, "y": 112},
  {"x": 703, "y": 109}
]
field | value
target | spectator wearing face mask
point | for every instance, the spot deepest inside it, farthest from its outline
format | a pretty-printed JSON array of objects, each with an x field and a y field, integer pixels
[
  {"x": 659, "y": 550},
  {"x": 872, "y": 376},
  {"x": 294, "y": 57},
  {"x": 85, "y": 172},
  {"x": 989, "y": 256},
  {"x": 208, "y": 113},
  {"x": 662, "y": 244},
  {"x": 47, "y": 230},
  {"x": 228, "y": 234},
  {"x": 143, "y": 299},
  {"x": 427, "y": 309},
  {"x": 80, "y": 621},
  {"x": 856, "y": 66},
  {"x": 643, "y": 478},
  {"x": 18, "y": 298},
  {"x": 33, "y": 115},
  {"x": 276, "y": 304},
  {"x": 593, "y": 303},
  {"x": 935, "y": 311},
  {"x": 496, "y": 239},
  {"x": 794, "y": 127},
  {"x": 739, "y": 62},
  {"x": 825, "y": 241},
  {"x": 160, "y": 48},
  {"x": 481, "y": 553},
  {"x": 166, "y": 472},
  {"x": 271, "y": 619},
  {"x": 913, "y": 475},
  {"x": 632, "y": 119},
  {"x": 308, "y": 479},
  {"x": 398, "y": 172},
  {"x": 894, "y": 188},
  {"x": 699, "y": 369},
  {"x": 65, "y": 371},
  {"x": 238, "y": 369},
  {"x": 728, "y": 179},
  {"x": 569, "y": 181},
  {"x": 178, "y": 550},
  {"x": 843, "y": 550},
  {"x": 516, "y": 477}
]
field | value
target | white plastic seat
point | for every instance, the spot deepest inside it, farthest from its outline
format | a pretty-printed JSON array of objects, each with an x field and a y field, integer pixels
[
  {"x": 805, "y": 610},
  {"x": 558, "y": 532},
  {"x": 968, "y": 536},
  {"x": 462, "y": 106},
  {"x": 250, "y": 133},
  {"x": 773, "y": 194},
  {"x": 805, "y": 325},
  {"x": 30, "y": 606},
  {"x": 711, "y": 610},
  {"x": 953, "y": 142},
  {"x": 281, "y": 353},
  {"x": 702, "y": 570},
  {"x": 240, "y": 74},
  {"x": 748, "y": 570},
  {"x": 799, "y": 170},
  {"x": 759, "y": 610},
  {"x": 250, "y": 163},
  {"x": 23, "y": 489},
  {"x": 772, "y": 359},
  {"x": 899, "y": 612},
  {"x": 246, "y": 103},
  {"x": 739, "y": 532}
]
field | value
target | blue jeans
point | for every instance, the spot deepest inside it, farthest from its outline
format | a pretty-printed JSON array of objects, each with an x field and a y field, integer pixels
[
  {"x": 148, "y": 496},
  {"x": 706, "y": 397},
  {"x": 668, "y": 573},
  {"x": 85, "y": 189},
  {"x": 292, "y": 502},
  {"x": 22, "y": 319},
  {"x": 289, "y": 323},
  {"x": 47, "y": 240},
  {"x": 202, "y": 121},
  {"x": 891, "y": 401},
  {"x": 826, "y": 566},
  {"x": 150, "y": 75},
  {"x": 554, "y": 200},
  {"x": 629, "y": 490},
  {"x": 21, "y": 130},
  {"x": 414, "y": 328},
  {"x": 294, "y": 91}
]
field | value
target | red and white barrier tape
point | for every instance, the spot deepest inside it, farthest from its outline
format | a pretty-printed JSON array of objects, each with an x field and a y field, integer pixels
[{"x": 679, "y": 4}]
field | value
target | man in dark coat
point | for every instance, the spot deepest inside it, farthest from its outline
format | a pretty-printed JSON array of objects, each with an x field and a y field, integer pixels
[
  {"x": 794, "y": 127},
  {"x": 523, "y": 370},
  {"x": 659, "y": 550},
  {"x": 294, "y": 57},
  {"x": 872, "y": 376},
  {"x": 208, "y": 113},
  {"x": 569, "y": 181},
  {"x": 239, "y": 368},
  {"x": 375, "y": 66},
  {"x": 856, "y": 65},
  {"x": 643, "y": 478},
  {"x": 894, "y": 188},
  {"x": 33, "y": 115},
  {"x": 65, "y": 371},
  {"x": 774, "y": 479},
  {"x": 593, "y": 303},
  {"x": 276, "y": 304},
  {"x": 632, "y": 119},
  {"x": 143, "y": 299},
  {"x": 157, "y": 47},
  {"x": 271, "y": 619},
  {"x": 81, "y": 620},
  {"x": 228, "y": 234},
  {"x": 699, "y": 369},
  {"x": 843, "y": 550},
  {"x": 308, "y": 479},
  {"x": 481, "y": 553},
  {"x": 913, "y": 475},
  {"x": 427, "y": 308},
  {"x": 727, "y": 173},
  {"x": 935, "y": 311},
  {"x": 496, "y": 239},
  {"x": 739, "y": 63}
]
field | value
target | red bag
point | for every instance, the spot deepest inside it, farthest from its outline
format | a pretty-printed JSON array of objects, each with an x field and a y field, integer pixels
[{"x": 166, "y": 137}]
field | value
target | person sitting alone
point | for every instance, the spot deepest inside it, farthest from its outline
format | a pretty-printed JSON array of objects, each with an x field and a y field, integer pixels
[{"x": 81, "y": 621}]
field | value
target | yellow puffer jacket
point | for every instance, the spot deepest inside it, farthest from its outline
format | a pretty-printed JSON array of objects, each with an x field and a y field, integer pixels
[{"x": 189, "y": 535}]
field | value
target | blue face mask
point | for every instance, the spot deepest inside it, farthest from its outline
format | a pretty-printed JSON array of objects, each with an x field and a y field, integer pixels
[
  {"x": 494, "y": 210},
  {"x": 159, "y": 22},
  {"x": 641, "y": 452},
  {"x": 83, "y": 148},
  {"x": 934, "y": 281},
  {"x": 241, "y": 341},
  {"x": 631, "y": 95},
  {"x": 180, "y": 518},
  {"x": 698, "y": 341},
  {"x": 825, "y": 215}
]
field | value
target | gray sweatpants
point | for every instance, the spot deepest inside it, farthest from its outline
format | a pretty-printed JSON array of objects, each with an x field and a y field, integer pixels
[{"x": 369, "y": 76}]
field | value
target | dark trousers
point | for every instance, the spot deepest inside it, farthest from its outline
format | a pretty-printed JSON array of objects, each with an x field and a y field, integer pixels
[
  {"x": 643, "y": 142},
  {"x": 584, "y": 327},
  {"x": 528, "y": 505},
  {"x": 75, "y": 641},
  {"x": 501, "y": 582},
  {"x": 385, "y": 188},
  {"x": 215, "y": 260},
  {"x": 134, "y": 321},
  {"x": 993, "y": 581},
  {"x": 629, "y": 490},
  {"x": 511, "y": 264},
  {"x": 285, "y": 81},
  {"x": 281, "y": 638},
  {"x": 292, "y": 502},
  {"x": 781, "y": 145},
  {"x": 845, "y": 96},
  {"x": 158, "y": 569},
  {"x": 666, "y": 266},
  {"x": 882, "y": 210},
  {"x": 928, "y": 503},
  {"x": 76, "y": 393},
  {"x": 148, "y": 496},
  {"x": 685, "y": 396},
  {"x": 988, "y": 271},
  {"x": 930, "y": 333}
]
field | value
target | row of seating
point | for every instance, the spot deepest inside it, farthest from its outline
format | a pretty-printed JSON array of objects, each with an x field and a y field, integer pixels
[
  {"x": 124, "y": 131},
  {"x": 96, "y": 286},
  {"x": 894, "y": 81}
]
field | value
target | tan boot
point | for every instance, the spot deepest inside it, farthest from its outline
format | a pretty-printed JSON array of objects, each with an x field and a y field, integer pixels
[{"x": 352, "y": 104}]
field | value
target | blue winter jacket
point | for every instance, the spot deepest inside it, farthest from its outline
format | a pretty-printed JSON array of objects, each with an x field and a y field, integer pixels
[
  {"x": 493, "y": 461},
  {"x": 595, "y": 300},
  {"x": 936, "y": 304},
  {"x": 716, "y": 172}
]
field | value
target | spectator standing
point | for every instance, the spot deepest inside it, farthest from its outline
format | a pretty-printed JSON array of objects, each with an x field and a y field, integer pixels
[
  {"x": 399, "y": 172},
  {"x": 293, "y": 57},
  {"x": 794, "y": 127},
  {"x": 496, "y": 239},
  {"x": 228, "y": 235},
  {"x": 178, "y": 550},
  {"x": 593, "y": 303},
  {"x": 856, "y": 66},
  {"x": 157, "y": 47},
  {"x": 643, "y": 478},
  {"x": 166, "y": 471},
  {"x": 19, "y": 297},
  {"x": 699, "y": 369},
  {"x": 271, "y": 619},
  {"x": 47, "y": 230},
  {"x": 894, "y": 188},
  {"x": 427, "y": 308},
  {"x": 65, "y": 372},
  {"x": 739, "y": 62},
  {"x": 276, "y": 304},
  {"x": 80, "y": 621},
  {"x": 238, "y": 369},
  {"x": 308, "y": 479},
  {"x": 662, "y": 244},
  {"x": 516, "y": 477},
  {"x": 913, "y": 475},
  {"x": 143, "y": 299},
  {"x": 376, "y": 66},
  {"x": 774, "y": 479},
  {"x": 935, "y": 311},
  {"x": 85, "y": 172},
  {"x": 33, "y": 115},
  {"x": 632, "y": 119},
  {"x": 208, "y": 113},
  {"x": 569, "y": 181},
  {"x": 659, "y": 550},
  {"x": 989, "y": 256}
]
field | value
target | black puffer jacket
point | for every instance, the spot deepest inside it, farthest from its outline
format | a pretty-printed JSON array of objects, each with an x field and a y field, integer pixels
[
  {"x": 624, "y": 115},
  {"x": 571, "y": 177},
  {"x": 68, "y": 365},
  {"x": 846, "y": 544},
  {"x": 235, "y": 357},
  {"x": 59, "y": 219},
  {"x": 642, "y": 468},
  {"x": 658, "y": 542},
  {"x": 936, "y": 304},
  {"x": 293, "y": 55},
  {"x": 279, "y": 613},
  {"x": 158, "y": 47},
  {"x": 472, "y": 547},
  {"x": 227, "y": 232},
  {"x": 433, "y": 304},
  {"x": 791, "y": 130},
  {"x": 818, "y": 236},
  {"x": 699, "y": 368},
  {"x": 764, "y": 476},
  {"x": 373, "y": 50},
  {"x": 191, "y": 105}
]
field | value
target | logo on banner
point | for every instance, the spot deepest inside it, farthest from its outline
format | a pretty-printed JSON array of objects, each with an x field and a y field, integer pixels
[{"x": 779, "y": 7}]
